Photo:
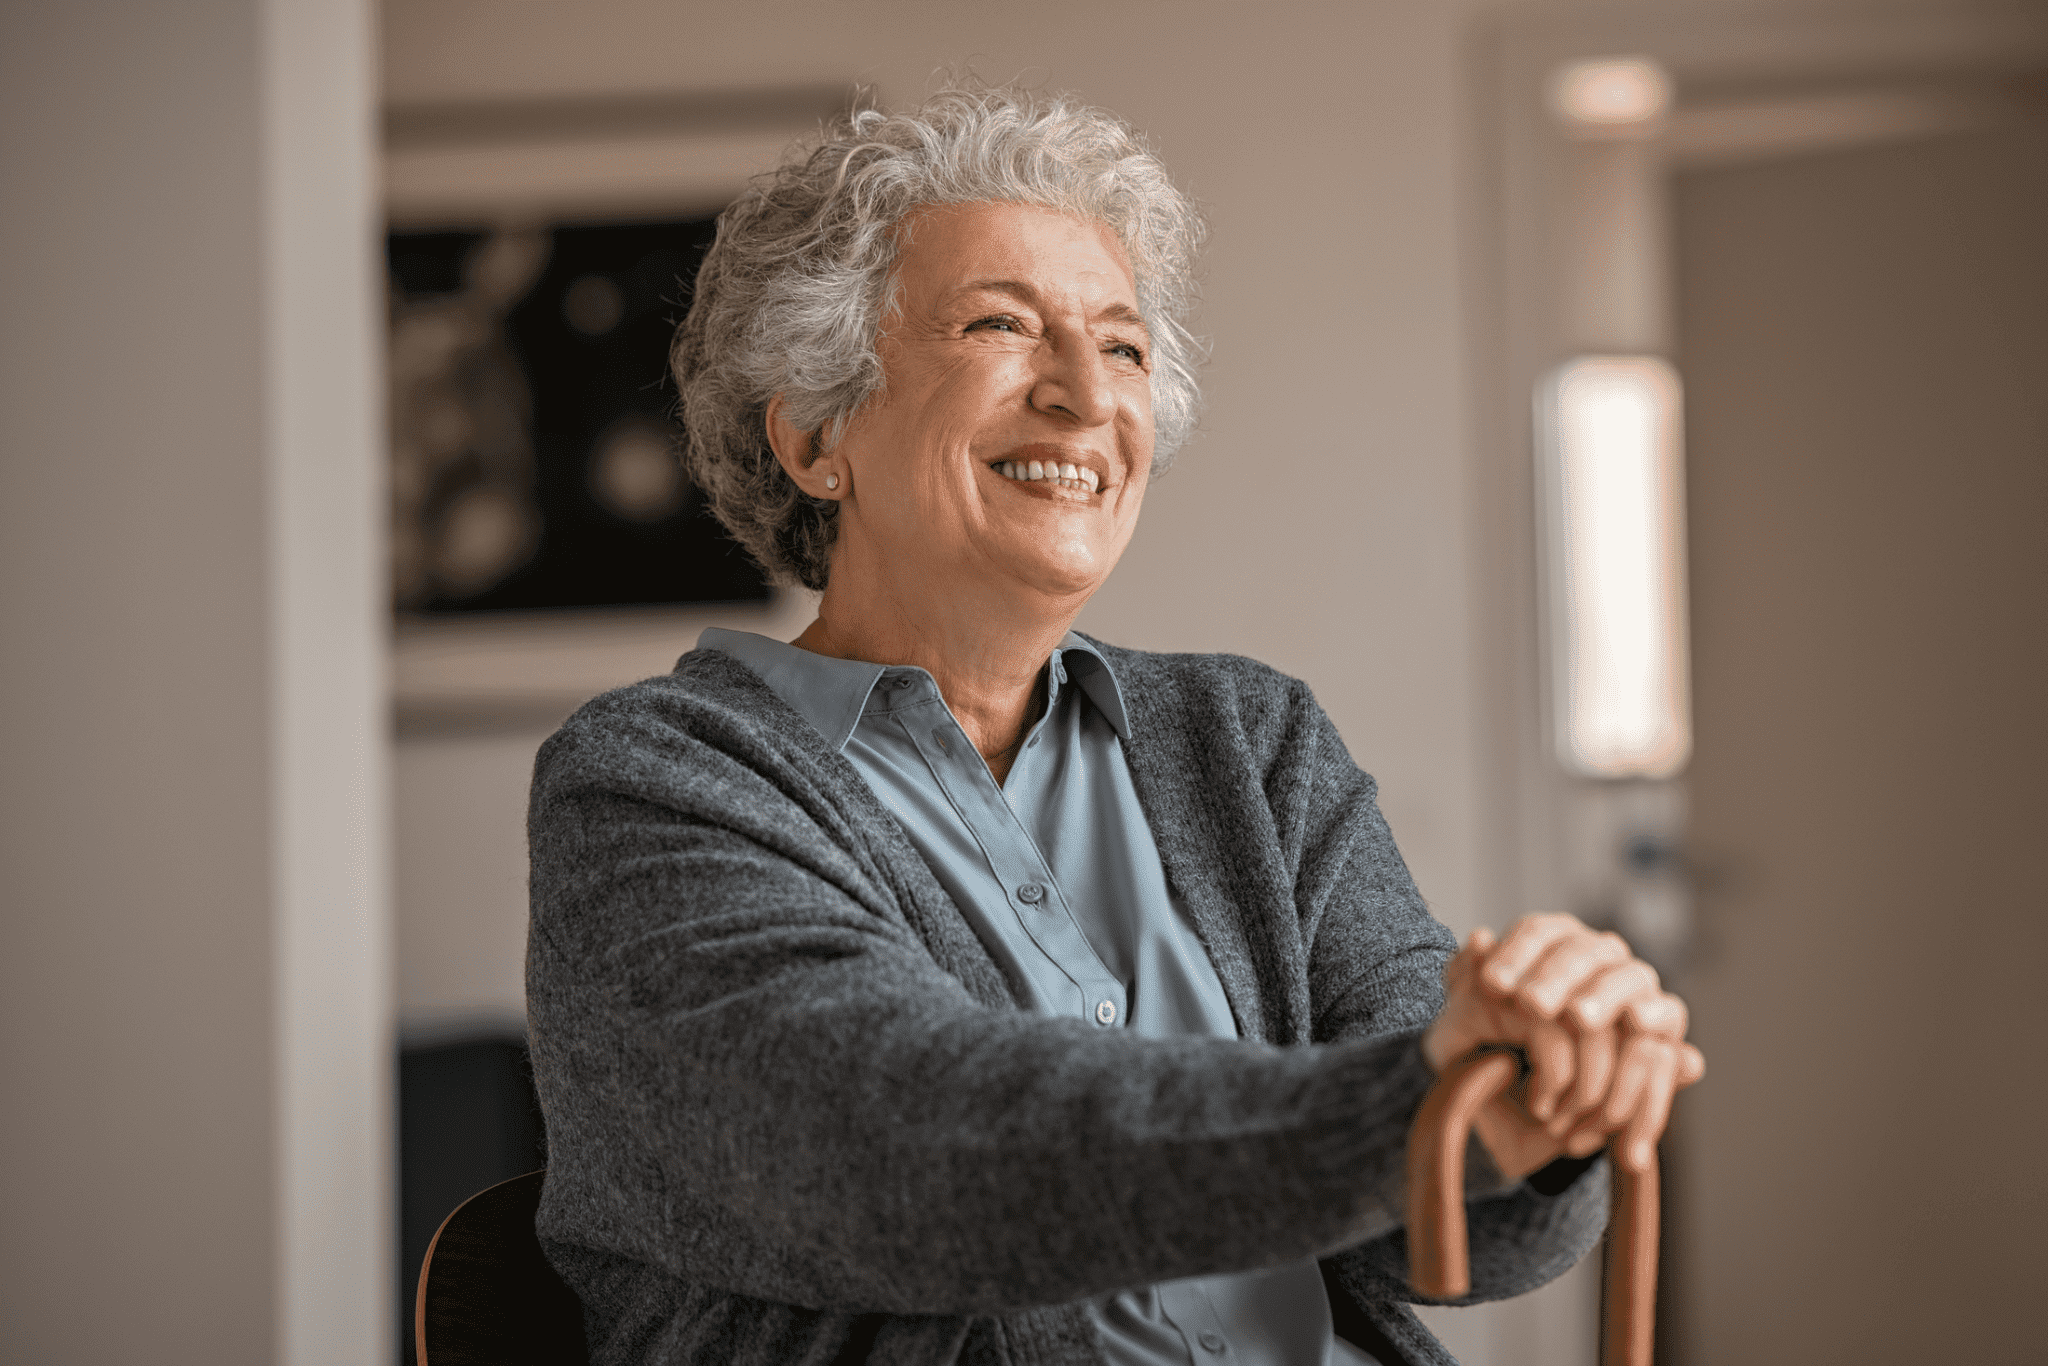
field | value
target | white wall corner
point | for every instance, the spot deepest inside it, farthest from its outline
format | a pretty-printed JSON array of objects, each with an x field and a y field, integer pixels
[{"x": 328, "y": 724}]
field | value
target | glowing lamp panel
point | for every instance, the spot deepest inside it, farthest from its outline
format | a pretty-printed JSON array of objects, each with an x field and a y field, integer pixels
[
  {"x": 1613, "y": 476},
  {"x": 1610, "y": 93}
]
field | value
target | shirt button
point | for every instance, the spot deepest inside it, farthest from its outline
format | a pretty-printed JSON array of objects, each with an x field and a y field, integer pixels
[
  {"x": 1030, "y": 893},
  {"x": 1212, "y": 1342},
  {"x": 1105, "y": 1013},
  {"x": 904, "y": 682}
]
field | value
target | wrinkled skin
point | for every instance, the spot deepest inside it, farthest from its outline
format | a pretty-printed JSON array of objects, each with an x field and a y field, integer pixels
[{"x": 1015, "y": 336}]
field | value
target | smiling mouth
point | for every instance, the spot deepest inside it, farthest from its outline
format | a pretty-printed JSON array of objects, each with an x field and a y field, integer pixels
[{"x": 1067, "y": 476}]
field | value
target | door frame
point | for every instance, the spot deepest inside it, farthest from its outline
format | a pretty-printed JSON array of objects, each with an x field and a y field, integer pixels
[{"x": 1750, "y": 85}]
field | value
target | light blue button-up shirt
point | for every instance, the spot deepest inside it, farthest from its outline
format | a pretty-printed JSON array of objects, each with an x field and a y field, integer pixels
[{"x": 1057, "y": 872}]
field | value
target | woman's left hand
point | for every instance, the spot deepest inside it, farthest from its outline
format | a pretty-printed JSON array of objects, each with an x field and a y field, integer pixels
[{"x": 1605, "y": 1042}]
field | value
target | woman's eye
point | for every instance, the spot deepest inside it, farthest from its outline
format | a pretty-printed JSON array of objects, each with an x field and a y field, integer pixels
[
  {"x": 1001, "y": 322},
  {"x": 1129, "y": 351}
]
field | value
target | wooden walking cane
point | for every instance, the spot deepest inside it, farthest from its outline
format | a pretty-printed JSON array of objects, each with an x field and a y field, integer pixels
[{"x": 1438, "y": 1256}]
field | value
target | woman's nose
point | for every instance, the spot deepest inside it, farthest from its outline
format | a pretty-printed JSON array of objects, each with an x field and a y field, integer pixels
[{"x": 1073, "y": 378}]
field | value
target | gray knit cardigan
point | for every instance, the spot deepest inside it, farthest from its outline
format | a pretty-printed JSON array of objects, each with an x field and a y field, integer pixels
[{"x": 795, "y": 1115}]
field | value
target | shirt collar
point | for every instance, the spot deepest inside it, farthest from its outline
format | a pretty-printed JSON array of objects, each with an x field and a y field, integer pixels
[
  {"x": 832, "y": 693},
  {"x": 1086, "y": 666}
]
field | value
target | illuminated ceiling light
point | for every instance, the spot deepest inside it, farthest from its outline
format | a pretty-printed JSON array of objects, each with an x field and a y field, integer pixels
[
  {"x": 1612, "y": 484},
  {"x": 1612, "y": 95}
]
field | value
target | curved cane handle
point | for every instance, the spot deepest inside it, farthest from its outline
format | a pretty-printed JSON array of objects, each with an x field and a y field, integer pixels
[
  {"x": 1438, "y": 1254},
  {"x": 1438, "y": 1257}
]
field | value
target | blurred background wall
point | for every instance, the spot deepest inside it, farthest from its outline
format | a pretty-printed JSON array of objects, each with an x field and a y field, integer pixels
[
  {"x": 1381, "y": 289},
  {"x": 1866, "y": 335},
  {"x": 195, "y": 1000}
]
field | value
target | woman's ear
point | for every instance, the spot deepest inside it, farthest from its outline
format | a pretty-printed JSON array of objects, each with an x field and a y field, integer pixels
[{"x": 796, "y": 450}]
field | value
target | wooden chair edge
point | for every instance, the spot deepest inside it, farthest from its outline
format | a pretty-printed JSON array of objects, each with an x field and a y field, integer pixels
[{"x": 419, "y": 1296}]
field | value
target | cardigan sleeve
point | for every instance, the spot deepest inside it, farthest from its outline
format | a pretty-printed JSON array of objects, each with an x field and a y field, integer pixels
[
  {"x": 757, "y": 1078},
  {"x": 1376, "y": 960}
]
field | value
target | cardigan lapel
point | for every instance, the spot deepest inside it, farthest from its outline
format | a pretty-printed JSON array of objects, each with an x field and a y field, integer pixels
[
  {"x": 1243, "y": 913},
  {"x": 894, "y": 863}
]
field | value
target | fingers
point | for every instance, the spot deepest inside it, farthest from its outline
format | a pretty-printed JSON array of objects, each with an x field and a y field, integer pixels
[
  {"x": 1518, "y": 1144},
  {"x": 1633, "y": 1072},
  {"x": 1469, "y": 1016},
  {"x": 1596, "y": 1069},
  {"x": 1636, "y": 1108},
  {"x": 1469, "y": 957},
  {"x": 1575, "y": 1001},
  {"x": 1553, "y": 1055},
  {"x": 1570, "y": 1074},
  {"x": 1622, "y": 1082},
  {"x": 1605, "y": 1042},
  {"x": 1593, "y": 1076},
  {"x": 1630, "y": 994},
  {"x": 1627, "y": 986},
  {"x": 1585, "y": 1141},
  {"x": 1566, "y": 967},
  {"x": 1646, "y": 1118},
  {"x": 1553, "y": 963},
  {"x": 1528, "y": 939},
  {"x": 1659, "y": 1013}
]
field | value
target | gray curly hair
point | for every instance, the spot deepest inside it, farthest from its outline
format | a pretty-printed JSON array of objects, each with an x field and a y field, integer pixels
[{"x": 792, "y": 296}]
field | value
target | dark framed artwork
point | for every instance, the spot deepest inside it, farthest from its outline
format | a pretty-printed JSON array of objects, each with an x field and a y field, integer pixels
[{"x": 534, "y": 441}]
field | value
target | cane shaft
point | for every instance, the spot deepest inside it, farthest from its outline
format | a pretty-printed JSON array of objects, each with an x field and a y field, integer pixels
[
  {"x": 1629, "y": 1335},
  {"x": 1439, "y": 1258}
]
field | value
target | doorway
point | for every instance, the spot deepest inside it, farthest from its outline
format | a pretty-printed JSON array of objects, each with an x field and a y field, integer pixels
[{"x": 1864, "y": 336}]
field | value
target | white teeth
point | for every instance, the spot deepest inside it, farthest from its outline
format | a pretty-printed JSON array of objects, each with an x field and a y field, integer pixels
[{"x": 1078, "y": 477}]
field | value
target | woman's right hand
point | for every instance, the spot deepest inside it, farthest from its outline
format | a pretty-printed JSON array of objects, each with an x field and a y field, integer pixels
[{"x": 1605, "y": 1043}]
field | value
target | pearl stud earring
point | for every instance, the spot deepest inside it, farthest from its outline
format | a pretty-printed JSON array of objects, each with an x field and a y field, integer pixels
[{"x": 831, "y": 481}]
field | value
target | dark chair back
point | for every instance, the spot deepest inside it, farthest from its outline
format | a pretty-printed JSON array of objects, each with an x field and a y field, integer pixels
[{"x": 487, "y": 1297}]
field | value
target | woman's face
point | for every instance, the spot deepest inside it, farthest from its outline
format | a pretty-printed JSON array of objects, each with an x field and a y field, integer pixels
[{"x": 1016, "y": 340}]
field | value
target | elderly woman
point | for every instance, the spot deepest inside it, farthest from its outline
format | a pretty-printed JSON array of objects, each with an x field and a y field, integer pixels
[{"x": 946, "y": 986}]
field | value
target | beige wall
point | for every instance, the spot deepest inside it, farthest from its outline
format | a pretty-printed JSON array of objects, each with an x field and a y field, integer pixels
[
  {"x": 136, "y": 994},
  {"x": 193, "y": 992}
]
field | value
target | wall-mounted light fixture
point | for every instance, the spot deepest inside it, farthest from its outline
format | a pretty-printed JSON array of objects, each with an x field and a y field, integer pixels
[
  {"x": 1611, "y": 480},
  {"x": 1612, "y": 96}
]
